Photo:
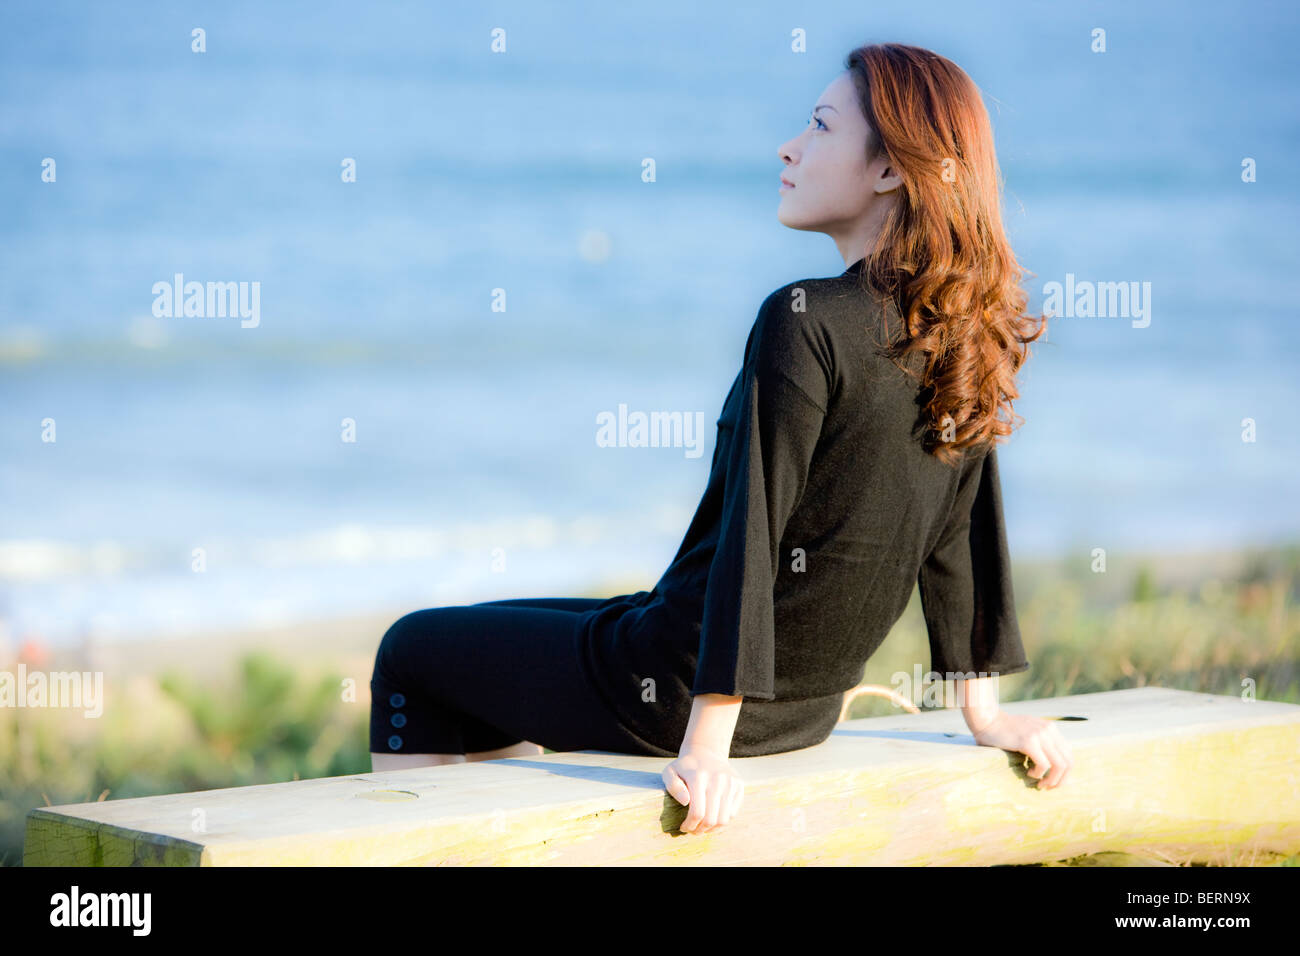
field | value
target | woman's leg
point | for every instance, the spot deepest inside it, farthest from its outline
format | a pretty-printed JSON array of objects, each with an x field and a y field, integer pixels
[
  {"x": 527, "y": 748},
  {"x": 484, "y": 678},
  {"x": 393, "y": 761},
  {"x": 522, "y": 749},
  {"x": 578, "y": 604}
]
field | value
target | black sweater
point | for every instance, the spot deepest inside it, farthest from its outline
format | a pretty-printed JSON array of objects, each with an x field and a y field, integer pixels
[{"x": 821, "y": 512}]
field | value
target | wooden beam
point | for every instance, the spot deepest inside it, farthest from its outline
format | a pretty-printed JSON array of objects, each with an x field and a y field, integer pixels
[{"x": 1157, "y": 772}]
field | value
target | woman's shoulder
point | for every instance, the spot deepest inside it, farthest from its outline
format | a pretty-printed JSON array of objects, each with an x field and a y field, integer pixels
[
  {"x": 824, "y": 317},
  {"x": 832, "y": 303}
]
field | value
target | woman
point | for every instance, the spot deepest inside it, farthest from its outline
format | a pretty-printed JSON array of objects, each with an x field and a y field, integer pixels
[{"x": 854, "y": 460}]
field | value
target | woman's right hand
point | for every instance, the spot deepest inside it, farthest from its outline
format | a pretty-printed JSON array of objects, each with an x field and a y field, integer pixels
[{"x": 706, "y": 781}]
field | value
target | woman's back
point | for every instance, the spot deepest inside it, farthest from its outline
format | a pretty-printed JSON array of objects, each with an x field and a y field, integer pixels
[{"x": 821, "y": 512}]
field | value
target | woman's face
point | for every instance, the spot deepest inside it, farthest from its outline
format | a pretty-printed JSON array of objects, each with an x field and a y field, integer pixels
[{"x": 834, "y": 190}]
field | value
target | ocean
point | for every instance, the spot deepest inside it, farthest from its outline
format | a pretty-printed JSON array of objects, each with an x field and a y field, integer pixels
[{"x": 411, "y": 419}]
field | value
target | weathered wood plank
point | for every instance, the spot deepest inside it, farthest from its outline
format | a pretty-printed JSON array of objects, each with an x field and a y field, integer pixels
[{"x": 1157, "y": 771}]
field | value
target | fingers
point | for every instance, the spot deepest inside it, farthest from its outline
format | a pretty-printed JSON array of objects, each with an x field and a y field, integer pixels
[
  {"x": 695, "y": 822},
  {"x": 676, "y": 786},
  {"x": 719, "y": 797},
  {"x": 1058, "y": 754},
  {"x": 712, "y": 793},
  {"x": 713, "y": 802},
  {"x": 1051, "y": 756},
  {"x": 1034, "y": 750},
  {"x": 707, "y": 807}
]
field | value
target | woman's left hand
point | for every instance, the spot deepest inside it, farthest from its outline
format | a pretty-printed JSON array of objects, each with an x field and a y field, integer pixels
[{"x": 1037, "y": 738}]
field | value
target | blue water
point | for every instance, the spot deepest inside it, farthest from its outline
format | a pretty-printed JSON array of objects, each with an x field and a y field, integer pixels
[{"x": 475, "y": 428}]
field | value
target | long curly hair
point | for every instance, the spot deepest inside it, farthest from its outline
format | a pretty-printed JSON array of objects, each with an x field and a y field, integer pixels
[{"x": 942, "y": 254}]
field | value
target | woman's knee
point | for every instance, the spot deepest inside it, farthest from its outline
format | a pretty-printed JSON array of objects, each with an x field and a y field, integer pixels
[{"x": 393, "y": 646}]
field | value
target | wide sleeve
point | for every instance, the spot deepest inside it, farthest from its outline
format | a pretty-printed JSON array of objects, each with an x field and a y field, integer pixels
[
  {"x": 784, "y": 389},
  {"x": 965, "y": 583}
]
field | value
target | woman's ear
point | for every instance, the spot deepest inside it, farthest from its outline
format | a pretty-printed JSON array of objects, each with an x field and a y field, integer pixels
[{"x": 888, "y": 180}]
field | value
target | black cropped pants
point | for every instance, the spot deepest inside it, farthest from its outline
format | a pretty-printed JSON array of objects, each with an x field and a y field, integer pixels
[{"x": 467, "y": 678}]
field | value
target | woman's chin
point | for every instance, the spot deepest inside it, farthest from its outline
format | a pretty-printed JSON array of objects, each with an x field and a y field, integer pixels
[{"x": 791, "y": 219}]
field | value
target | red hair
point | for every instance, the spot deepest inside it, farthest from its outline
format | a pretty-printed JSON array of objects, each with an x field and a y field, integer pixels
[{"x": 942, "y": 254}]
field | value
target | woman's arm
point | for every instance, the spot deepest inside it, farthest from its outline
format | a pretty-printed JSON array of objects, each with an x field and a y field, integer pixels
[
  {"x": 713, "y": 721},
  {"x": 1023, "y": 733},
  {"x": 701, "y": 775},
  {"x": 978, "y": 699}
]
